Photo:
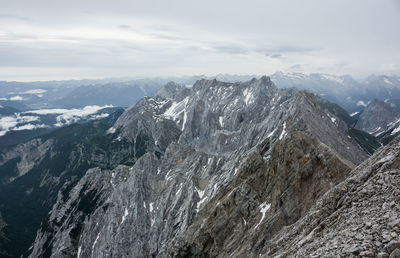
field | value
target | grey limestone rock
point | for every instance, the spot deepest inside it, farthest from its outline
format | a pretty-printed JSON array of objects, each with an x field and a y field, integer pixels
[
  {"x": 395, "y": 253},
  {"x": 378, "y": 118},
  {"x": 392, "y": 245},
  {"x": 212, "y": 142}
]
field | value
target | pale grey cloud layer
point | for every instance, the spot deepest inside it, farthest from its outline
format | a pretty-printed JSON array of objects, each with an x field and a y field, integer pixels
[{"x": 47, "y": 39}]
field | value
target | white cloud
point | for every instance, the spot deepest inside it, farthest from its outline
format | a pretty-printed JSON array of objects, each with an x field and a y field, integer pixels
[
  {"x": 34, "y": 91},
  {"x": 22, "y": 121},
  {"x": 361, "y": 103},
  {"x": 85, "y": 111},
  {"x": 100, "y": 116},
  {"x": 8, "y": 123},
  {"x": 29, "y": 127},
  {"x": 69, "y": 116},
  {"x": 16, "y": 98}
]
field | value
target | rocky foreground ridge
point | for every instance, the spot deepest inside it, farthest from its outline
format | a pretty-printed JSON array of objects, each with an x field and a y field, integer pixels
[
  {"x": 359, "y": 217},
  {"x": 229, "y": 169}
]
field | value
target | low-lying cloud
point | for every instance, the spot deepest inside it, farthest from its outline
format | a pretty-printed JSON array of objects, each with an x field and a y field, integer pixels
[
  {"x": 69, "y": 116},
  {"x": 8, "y": 123},
  {"x": 16, "y": 98},
  {"x": 30, "y": 120},
  {"x": 34, "y": 91}
]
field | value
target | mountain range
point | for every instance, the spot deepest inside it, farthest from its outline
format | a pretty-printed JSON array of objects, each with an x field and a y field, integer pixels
[
  {"x": 344, "y": 90},
  {"x": 209, "y": 169},
  {"x": 351, "y": 94}
]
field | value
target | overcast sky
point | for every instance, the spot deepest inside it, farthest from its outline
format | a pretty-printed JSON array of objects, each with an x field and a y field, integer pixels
[{"x": 49, "y": 39}]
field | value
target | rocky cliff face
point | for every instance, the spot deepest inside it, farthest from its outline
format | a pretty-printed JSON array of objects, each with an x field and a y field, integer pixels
[
  {"x": 378, "y": 118},
  {"x": 203, "y": 142},
  {"x": 358, "y": 217},
  {"x": 33, "y": 173},
  {"x": 264, "y": 212},
  {"x": 263, "y": 198}
]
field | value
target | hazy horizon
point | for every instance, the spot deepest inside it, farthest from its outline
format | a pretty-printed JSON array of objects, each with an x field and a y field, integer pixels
[
  {"x": 132, "y": 78},
  {"x": 46, "y": 40}
]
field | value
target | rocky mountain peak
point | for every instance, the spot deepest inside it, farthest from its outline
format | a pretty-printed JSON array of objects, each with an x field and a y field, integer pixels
[
  {"x": 199, "y": 140},
  {"x": 263, "y": 83},
  {"x": 214, "y": 116},
  {"x": 169, "y": 90},
  {"x": 377, "y": 118}
]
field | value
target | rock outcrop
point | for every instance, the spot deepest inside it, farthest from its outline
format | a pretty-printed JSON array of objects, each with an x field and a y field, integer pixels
[
  {"x": 263, "y": 198},
  {"x": 266, "y": 212},
  {"x": 358, "y": 217}
]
